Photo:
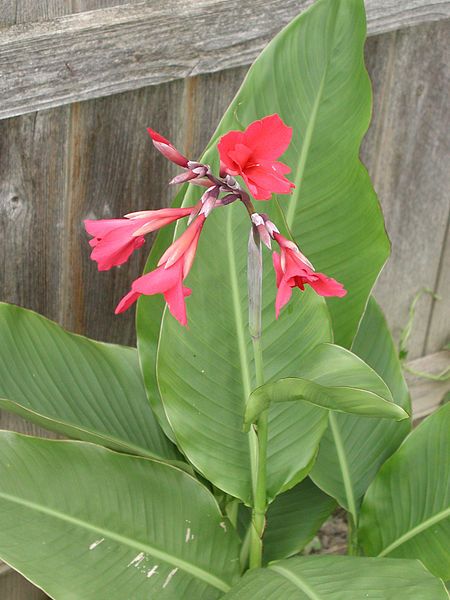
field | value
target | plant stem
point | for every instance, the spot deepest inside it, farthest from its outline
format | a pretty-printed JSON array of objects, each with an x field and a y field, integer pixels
[
  {"x": 259, "y": 508},
  {"x": 255, "y": 328},
  {"x": 352, "y": 538}
]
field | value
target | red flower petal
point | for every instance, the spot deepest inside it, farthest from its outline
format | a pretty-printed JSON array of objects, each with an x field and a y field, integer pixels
[{"x": 268, "y": 138}]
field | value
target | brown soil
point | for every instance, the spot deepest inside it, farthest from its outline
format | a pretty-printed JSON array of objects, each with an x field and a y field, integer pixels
[{"x": 332, "y": 536}]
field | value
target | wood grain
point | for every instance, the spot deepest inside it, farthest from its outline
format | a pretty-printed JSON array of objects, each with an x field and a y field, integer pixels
[
  {"x": 438, "y": 334},
  {"x": 110, "y": 50},
  {"x": 406, "y": 152},
  {"x": 14, "y": 12},
  {"x": 32, "y": 186},
  {"x": 427, "y": 394}
]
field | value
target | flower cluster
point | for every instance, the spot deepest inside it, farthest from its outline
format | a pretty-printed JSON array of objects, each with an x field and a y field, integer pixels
[{"x": 252, "y": 154}]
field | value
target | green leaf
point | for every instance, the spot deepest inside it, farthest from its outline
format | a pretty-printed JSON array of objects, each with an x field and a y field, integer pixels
[
  {"x": 206, "y": 372},
  {"x": 339, "y": 578},
  {"x": 293, "y": 519},
  {"x": 406, "y": 511},
  {"x": 333, "y": 378},
  {"x": 353, "y": 448},
  {"x": 313, "y": 75},
  {"x": 75, "y": 386},
  {"x": 82, "y": 521},
  {"x": 334, "y": 214}
]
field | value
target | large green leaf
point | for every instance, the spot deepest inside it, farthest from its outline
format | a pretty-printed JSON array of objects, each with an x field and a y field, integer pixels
[
  {"x": 293, "y": 519},
  {"x": 76, "y": 386},
  {"x": 333, "y": 378},
  {"x": 82, "y": 521},
  {"x": 353, "y": 448},
  {"x": 339, "y": 578},
  {"x": 406, "y": 511},
  {"x": 313, "y": 75},
  {"x": 206, "y": 372}
]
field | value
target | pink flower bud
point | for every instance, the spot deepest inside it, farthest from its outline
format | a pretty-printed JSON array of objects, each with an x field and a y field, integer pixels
[{"x": 167, "y": 149}]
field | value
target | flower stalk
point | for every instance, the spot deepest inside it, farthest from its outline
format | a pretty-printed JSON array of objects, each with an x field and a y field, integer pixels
[{"x": 254, "y": 275}]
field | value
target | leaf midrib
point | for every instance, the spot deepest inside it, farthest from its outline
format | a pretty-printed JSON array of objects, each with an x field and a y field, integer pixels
[
  {"x": 117, "y": 537},
  {"x": 295, "y": 579},
  {"x": 310, "y": 130},
  {"x": 305, "y": 152},
  {"x": 440, "y": 516},
  {"x": 344, "y": 465}
]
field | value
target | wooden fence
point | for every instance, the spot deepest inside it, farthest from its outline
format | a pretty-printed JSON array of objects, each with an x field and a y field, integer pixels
[{"x": 80, "y": 80}]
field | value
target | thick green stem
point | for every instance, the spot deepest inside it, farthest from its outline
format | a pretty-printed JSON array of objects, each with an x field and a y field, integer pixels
[
  {"x": 259, "y": 499},
  {"x": 352, "y": 538}
]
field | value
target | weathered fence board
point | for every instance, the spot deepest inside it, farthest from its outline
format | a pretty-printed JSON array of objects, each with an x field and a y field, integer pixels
[
  {"x": 406, "y": 152},
  {"x": 13, "y": 12},
  {"x": 32, "y": 189},
  {"x": 103, "y": 52},
  {"x": 438, "y": 334},
  {"x": 428, "y": 394}
]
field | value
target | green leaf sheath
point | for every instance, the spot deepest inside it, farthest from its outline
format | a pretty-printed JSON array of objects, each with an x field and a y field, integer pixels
[
  {"x": 75, "y": 386},
  {"x": 339, "y": 578},
  {"x": 99, "y": 524},
  {"x": 406, "y": 511},
  {"x": 333, "y": 378},
  {"x": 354, "y": 447}
]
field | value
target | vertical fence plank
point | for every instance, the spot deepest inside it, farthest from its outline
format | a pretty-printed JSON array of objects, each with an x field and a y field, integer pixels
[
  {"x": 32, "y": 183},
  {"x": 404, "y": 152},
  {"x": 26, "y": 11},
  {"x": 438, "y": 334}
]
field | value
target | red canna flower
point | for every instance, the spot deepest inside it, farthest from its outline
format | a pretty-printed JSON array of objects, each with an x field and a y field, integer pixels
[
  {"x": 167, "y": 278},
  {"x": 253, "y": 154},
  {"x": 293, "y": 269},
  {"x": 114, "y": 240}
]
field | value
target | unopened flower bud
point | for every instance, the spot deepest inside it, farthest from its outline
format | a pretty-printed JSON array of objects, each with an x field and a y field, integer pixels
[
  {"x": 183, "y": 177},
  {"x": 260, "y": 225},
  {"x": 271, "y": 227},
  {"x": 167, "y": 149},
  {"x": 209, "y": 200},
  {"x": 231, "y": 182}
]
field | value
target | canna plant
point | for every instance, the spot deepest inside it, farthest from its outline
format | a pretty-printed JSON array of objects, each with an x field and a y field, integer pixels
[{"x": 201, "y": 464}]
